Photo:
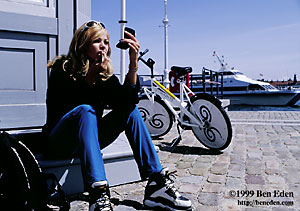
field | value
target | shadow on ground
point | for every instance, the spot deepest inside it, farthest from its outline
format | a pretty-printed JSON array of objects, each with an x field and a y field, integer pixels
[
  {"x": 131, "y": 203},
  {"x": 191, "y": 150}
]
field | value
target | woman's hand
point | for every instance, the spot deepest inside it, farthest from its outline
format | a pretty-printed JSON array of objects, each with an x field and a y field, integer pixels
[
  {"x": 134, "y": 47},
  {"x": 97, "y": 66},
  {"x": 100, "y": 64}
]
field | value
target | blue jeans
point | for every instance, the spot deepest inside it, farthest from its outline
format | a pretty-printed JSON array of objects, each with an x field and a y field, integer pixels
[{"x": 81, "y": 133}]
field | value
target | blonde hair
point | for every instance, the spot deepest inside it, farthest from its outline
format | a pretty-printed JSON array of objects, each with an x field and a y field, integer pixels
[{"x": 77, "y": 62}]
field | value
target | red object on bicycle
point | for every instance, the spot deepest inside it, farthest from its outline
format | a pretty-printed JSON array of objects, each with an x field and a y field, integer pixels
[{"x": 174, "y": 82}]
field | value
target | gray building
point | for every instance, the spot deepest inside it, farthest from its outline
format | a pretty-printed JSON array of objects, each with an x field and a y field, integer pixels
[{"x": 31, "y": 33}]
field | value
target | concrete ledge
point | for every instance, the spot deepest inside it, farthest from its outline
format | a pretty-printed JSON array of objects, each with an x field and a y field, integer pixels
[
  {"x": 120, "y": 165},
  {"x": 225, "y": 103},
  {"x": 119, "y": 162}
]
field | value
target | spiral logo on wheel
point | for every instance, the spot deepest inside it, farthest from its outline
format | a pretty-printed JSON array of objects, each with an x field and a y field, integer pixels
[
  {"x": 210, "y": 133},
  {"x": 205, "y": 113},
  {"x": 144, "y": 113},
  {"x": 156, "y": 122}
]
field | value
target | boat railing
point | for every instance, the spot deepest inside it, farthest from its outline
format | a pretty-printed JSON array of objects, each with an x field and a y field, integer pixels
[{"x": 209, "y": 81}]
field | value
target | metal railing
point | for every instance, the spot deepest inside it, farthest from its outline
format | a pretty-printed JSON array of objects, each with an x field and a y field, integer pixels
[{"x": 208, "y": 82}]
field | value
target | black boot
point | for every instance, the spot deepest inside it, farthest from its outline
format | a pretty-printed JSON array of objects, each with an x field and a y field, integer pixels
[
  {"x": 160, "y": 192},
  {"x": 100, "y": 197}
]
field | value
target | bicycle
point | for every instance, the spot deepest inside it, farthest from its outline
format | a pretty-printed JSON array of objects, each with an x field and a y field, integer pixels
[{"x": 201, "y": 113}]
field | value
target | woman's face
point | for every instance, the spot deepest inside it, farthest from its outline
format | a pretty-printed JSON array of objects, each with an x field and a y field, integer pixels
[{"x": 97, "y": 51}]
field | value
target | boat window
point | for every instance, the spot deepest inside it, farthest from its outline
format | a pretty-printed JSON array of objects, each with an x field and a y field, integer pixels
[
  {"x": 228, "y": 73},
  {"x": 238, "y": 73},
  {"x": 235, "y": 88},
  {"x": 255, "y": 87},
  {"x": 269, "y": 87},
  {"x": 225, "y": 89}
]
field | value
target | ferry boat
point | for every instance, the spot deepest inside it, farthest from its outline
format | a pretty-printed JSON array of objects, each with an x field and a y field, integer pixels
[{"x": 242, "y": 90}]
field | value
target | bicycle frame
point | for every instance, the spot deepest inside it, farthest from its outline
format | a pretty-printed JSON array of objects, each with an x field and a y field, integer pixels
[
  {"x": 195, "y": 112},
  {"x": 169, "y": 98}
]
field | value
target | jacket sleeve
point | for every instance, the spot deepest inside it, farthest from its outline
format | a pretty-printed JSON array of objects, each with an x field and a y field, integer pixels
[
  {"x": 60, "y": 94},
  {"x": 134, "y": 88}
]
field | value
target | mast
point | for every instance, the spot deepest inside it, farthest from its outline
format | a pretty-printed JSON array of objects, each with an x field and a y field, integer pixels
[
  {"x": 222, "y": 62},
  {"x": 122, "y": 52},
  {"x": 166, "y": 71}
]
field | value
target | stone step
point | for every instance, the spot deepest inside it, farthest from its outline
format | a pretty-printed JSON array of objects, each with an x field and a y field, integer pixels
[{"x": 119, "y": 162}]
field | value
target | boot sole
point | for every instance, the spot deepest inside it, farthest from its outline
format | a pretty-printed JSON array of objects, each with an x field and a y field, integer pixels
[{"x": 152, "y": 204}]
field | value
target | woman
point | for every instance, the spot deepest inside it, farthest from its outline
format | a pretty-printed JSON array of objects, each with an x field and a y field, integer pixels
[{"x": 81, "y": 85}]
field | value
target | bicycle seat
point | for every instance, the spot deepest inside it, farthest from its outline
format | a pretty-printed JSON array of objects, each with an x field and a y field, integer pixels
[{"x": 181, "y": 71}]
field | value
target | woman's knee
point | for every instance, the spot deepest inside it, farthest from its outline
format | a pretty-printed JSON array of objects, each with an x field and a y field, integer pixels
[
  {"x": 135, "y": 117},
  {"x": 85, "y": 108},
  {"x": 135, "y": 113},
  {"x": 84, "y": 111}
]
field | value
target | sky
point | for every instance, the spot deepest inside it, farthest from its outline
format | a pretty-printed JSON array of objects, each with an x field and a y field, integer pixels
[{"x": 257, "y": 37}]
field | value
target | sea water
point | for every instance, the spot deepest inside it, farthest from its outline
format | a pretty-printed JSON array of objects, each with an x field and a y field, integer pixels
[{"x": 296, "y": 107}]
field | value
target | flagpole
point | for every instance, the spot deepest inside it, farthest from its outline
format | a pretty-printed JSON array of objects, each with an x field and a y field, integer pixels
[
  {"x": 122, "y": 52},
  {"x": 166, "y": 81}
]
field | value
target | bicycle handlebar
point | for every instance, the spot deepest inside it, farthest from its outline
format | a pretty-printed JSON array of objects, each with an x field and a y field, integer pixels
[
  {"x": 143, "y": 53},
  {"x": 150, "y": 62}
]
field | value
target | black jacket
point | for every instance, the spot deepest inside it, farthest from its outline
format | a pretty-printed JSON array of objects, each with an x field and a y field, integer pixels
[{"x": 64, "y": 93}]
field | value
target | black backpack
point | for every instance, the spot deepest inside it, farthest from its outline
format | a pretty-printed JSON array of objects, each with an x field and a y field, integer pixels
[{"x": 23, "y": 185}]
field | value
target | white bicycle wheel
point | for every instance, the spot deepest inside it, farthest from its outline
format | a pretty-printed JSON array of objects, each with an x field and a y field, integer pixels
[
  {"x": 157, "y": 116},
  {"x": 217, "y": 131}
]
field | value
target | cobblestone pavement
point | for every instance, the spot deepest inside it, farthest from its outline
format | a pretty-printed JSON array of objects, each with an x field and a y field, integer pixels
[{"x": 260, "y": 170}]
